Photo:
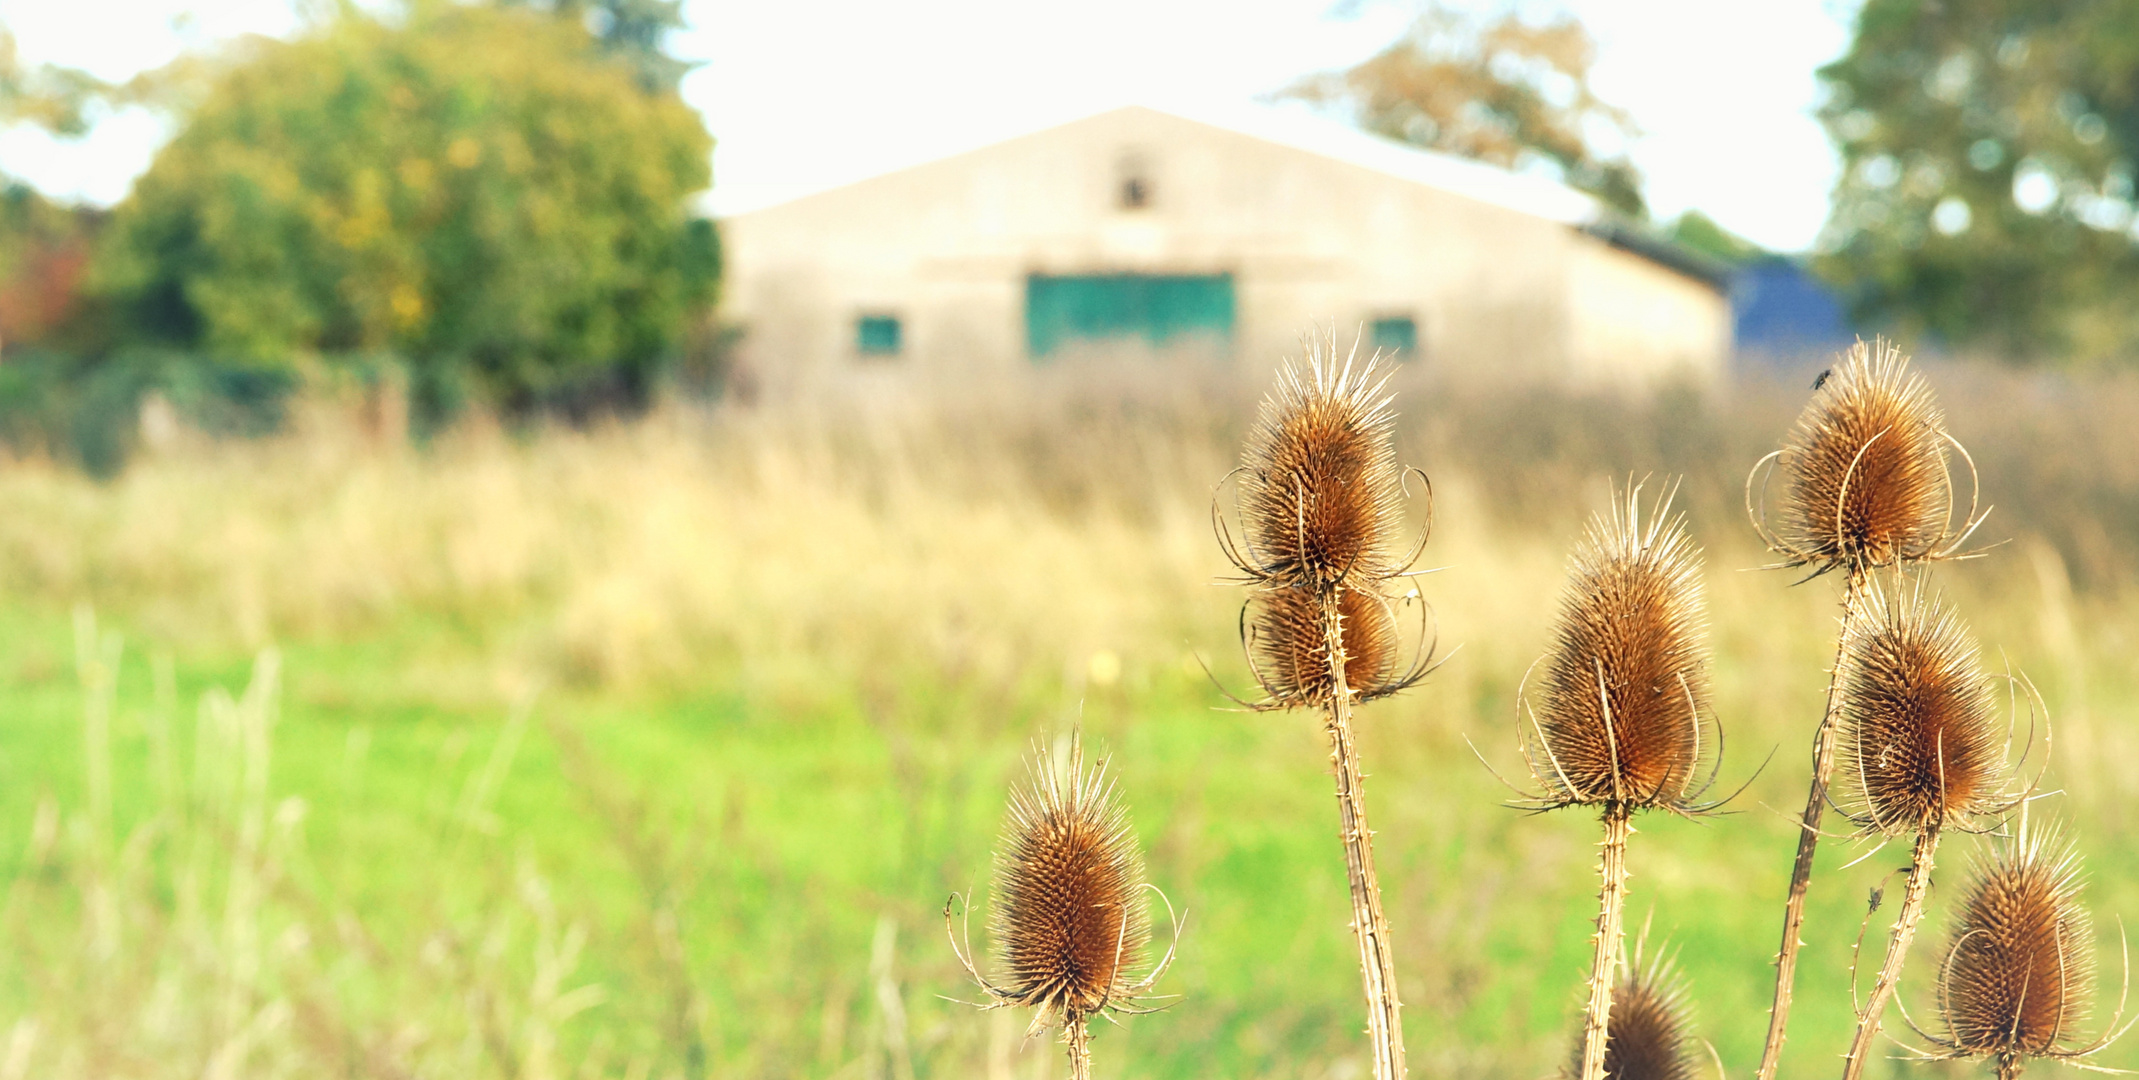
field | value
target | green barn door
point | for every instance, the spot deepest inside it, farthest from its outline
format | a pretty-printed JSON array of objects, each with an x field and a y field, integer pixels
[{"x": 1158, "y": 309}]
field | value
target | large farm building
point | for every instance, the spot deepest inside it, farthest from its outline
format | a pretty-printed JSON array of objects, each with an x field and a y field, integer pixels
[{"x": 1143, "y": 231}]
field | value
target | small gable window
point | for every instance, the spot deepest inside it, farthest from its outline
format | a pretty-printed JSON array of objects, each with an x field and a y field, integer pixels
[
  {"x": 878, "y": 335},
  {"x": 1135, "y": 193},
  {"x": 1396, "y": 335},
  {"x": 1132, "y": 189}
]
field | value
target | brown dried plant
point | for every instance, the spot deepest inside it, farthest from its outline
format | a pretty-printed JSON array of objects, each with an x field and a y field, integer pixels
[
  {"x": 1289, "y": 652},
  {"x": 1070, "y": 921},
  {"x": 1621, "y": 721},
  {"x": 1920, "y": 740},
  {"x": 1320, "y": 505},
  {"x": 1923, "y": 752},
  {"x": 1650, "y": 1029},
  {"x": 1868, "y": 485},
  {"x": 2017, "y": 978},
  {"x": 1320, "y": 493}
]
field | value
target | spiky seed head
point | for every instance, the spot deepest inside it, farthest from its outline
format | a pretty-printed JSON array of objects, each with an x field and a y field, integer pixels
[
  {"x": 1920, "y": 740},
  {"x": 1320, "y": 491},
  {"x": 1069, "y": 918},
  {"x": 2020, "y": 970},
  {"x": 1866, "y": 466},
  {"x": 1291, "y": 652},
  {"x": 1618, "y": 718},
  {"x": 1648, "y": 1034}
]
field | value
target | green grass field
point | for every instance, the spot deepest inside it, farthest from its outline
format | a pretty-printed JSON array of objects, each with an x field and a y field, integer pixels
[{"x": 655, "y": 751}]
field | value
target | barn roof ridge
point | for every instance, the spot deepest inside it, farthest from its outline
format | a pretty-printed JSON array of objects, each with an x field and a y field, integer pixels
[
  {"x": 1303, "y": 129},
  {"x": 1308, "y": 131},
  {"x": 1524, "y": 193}
]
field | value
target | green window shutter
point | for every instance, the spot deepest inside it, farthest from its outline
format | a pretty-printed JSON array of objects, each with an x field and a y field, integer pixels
[
  {"x": 1397, "y": 336},
  {"x": 877, "y": 335},
  {"x": 1159, "y": 309}
]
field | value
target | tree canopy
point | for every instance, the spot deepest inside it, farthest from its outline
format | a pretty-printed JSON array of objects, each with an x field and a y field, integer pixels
[
  {"x": 488, "y": 193},
  {"x": 1500, "y": 89},
  {"x": 52, "y": 97},
  {"x": 1989, "y": 149},
  {"x": 629, "y": 29}
]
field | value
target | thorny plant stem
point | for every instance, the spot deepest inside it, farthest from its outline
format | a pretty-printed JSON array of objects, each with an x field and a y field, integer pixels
[
  {"x": 1377, "y": 964},
  {"x": 1611, "y": 902},
  {"x": 2009, "y": 1066},
  {"x": 1897, "y": 952},
  {"x": 1079, "y": 1039},
  {"x": 1808, "y": 837}
]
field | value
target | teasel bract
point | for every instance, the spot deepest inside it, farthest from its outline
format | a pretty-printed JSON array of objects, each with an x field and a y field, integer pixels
[
  {"x": 2017, "y": 978},
  {"x": 1922, "y": 752},
  {"x": 1621, "y": 721},
  {"x": 1320, "y": 506},
  {"x": 1069, "y": 916},
  {"x": 1869, "y": 484},
  {"x": 1650, "y": 1032}
]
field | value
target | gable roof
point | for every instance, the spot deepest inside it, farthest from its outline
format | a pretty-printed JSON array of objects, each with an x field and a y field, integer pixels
[
  {"x": 1301, "y": 129},
  {"x": 1309, "y": 132}
]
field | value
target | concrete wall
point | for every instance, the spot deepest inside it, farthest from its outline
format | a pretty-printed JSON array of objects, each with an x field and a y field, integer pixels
[
  {"x": 1634, "y": 320},
  {"x": 1310, "y": 240}
]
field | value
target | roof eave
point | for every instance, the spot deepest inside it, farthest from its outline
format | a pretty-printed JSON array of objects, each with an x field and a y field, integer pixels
[{"x": 1636, "y": 240}]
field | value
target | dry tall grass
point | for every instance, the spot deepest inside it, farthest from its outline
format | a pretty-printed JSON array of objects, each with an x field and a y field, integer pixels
[{"x": 637, "y": 544}]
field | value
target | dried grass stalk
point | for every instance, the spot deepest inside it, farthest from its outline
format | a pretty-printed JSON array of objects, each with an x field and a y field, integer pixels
[
  {"x": 1070, "y": 921},
  {"x": 1619, "y": 720},
  {"x": 1868, "y": 485},
  {"x": 1320, "y": 509}
]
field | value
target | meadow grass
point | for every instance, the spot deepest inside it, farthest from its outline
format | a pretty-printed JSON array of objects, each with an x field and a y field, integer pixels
[{"x": 654, "y": 750}]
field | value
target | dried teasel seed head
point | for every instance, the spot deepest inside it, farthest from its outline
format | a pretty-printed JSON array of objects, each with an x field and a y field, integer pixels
[
  {"x": 1320, "y": 491},
  {"x": 1866, "y": 467},
  {"x": 1619, "y": 716},
  {"x": 1291, "y": 653},
  {"x": 2019, "y": 973},
  {"x": 1920, "y": 738},
  {"x": 1649, "y": 1030},
  {"x": 1069, "y": 918}
]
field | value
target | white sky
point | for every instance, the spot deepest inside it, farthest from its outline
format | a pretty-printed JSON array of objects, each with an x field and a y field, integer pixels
[{"x": 803, "y": 94}]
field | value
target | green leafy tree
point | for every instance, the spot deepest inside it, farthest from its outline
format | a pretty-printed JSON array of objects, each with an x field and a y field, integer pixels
[
  {"x": 633, "y": 30},
  {"x": 43, "y": 246},
  {"x": 42, "y": 243},
  {"x": 485, "y": 192},
  {"x": 1988, "y": 151},
  {"x": 1699, "y": 233},
  {"x": 1497, "y": 88},
  {"x": 53, "y": 97}
]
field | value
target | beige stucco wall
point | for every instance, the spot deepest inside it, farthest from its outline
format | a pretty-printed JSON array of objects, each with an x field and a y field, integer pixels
[
  {"x": 1311, "y": 241},
  {"x": 1633, "y": 320}
]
